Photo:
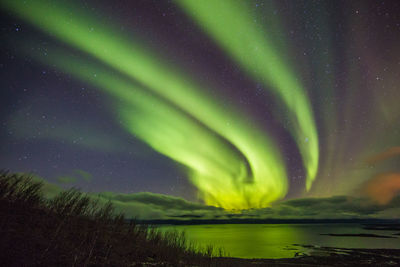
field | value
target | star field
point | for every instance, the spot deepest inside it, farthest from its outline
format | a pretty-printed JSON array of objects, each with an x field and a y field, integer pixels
[{"x": 234, "y": 104}]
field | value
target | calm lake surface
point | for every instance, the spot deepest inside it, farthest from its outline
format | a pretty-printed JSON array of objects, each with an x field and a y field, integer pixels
[{"x": 279, "y": 240}]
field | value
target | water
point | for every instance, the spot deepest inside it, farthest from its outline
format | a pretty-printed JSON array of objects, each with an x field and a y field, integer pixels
[{"x": 278, "y": 240}]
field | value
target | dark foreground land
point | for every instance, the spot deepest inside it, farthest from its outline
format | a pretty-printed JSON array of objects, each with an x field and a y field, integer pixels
[
  {"x": 326, "y": 256},
  {"x": 73, "y": 229}
]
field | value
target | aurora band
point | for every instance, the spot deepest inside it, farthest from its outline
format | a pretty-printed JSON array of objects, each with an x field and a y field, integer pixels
[
  {"x": 234, "y": 164},
  {"x": 231, "y": 24}
]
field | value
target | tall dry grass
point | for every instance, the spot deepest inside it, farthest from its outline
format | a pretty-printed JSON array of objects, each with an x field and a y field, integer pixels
[{"x": 74, "y": 229}]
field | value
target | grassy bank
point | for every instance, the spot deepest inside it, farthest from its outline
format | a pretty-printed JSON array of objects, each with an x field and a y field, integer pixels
[{"x": 73, "y": 229}]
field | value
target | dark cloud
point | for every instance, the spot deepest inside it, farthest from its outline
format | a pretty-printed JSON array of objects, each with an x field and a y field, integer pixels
[
  {"x": 332, "y": 207},
  {"x": 337, "y": 207},
  {"x": 190, "y": 216},
  {"x": 74, "y": 177},
  {"x": 151, "y": 206},
  {"x": 163, "y": 201},
  {"x": 66, "y": 179},
  {"x": 147, "y": 205}
]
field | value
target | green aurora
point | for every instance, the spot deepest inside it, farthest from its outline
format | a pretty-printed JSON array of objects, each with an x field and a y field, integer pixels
[
  {"x": 330, "y": 99},
  {"x": 232, "y": 25},
  {"x": 233, "y": 163},
  {"x": 220, "y": 171}
]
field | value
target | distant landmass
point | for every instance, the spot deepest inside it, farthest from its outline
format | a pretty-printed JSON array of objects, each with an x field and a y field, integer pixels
[{"x": 375, "y": 224}]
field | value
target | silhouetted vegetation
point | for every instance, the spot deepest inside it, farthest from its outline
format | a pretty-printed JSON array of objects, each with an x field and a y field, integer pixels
[{"x": 75, "y": 229}]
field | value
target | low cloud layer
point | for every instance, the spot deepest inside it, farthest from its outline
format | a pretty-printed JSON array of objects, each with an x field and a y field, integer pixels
[
  {"x": 157, "y": 206},
  {"x": 337, "y": 207},
  {"x": 151, "y": 206},
  {"x": 74, "y": 176}
]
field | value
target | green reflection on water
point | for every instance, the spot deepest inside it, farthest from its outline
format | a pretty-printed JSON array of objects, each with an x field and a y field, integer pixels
[
  {"x": 277, "y": 240},
  {"x": 245, "y": 241}
]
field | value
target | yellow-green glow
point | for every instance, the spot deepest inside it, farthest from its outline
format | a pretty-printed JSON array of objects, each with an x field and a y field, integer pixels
[
  {"x": 230, "y": 23},
  {"x": 234, "y": 164},
  {"x": 217, "y": 169}
]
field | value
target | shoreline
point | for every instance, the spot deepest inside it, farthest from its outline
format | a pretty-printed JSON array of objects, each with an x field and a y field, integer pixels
[
  {"x": 324, "y": 256},
  {"x": 372, "y": 224}
]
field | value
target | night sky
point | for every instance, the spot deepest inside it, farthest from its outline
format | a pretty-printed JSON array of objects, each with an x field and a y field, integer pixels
[{"x": 234, "y": 104}]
